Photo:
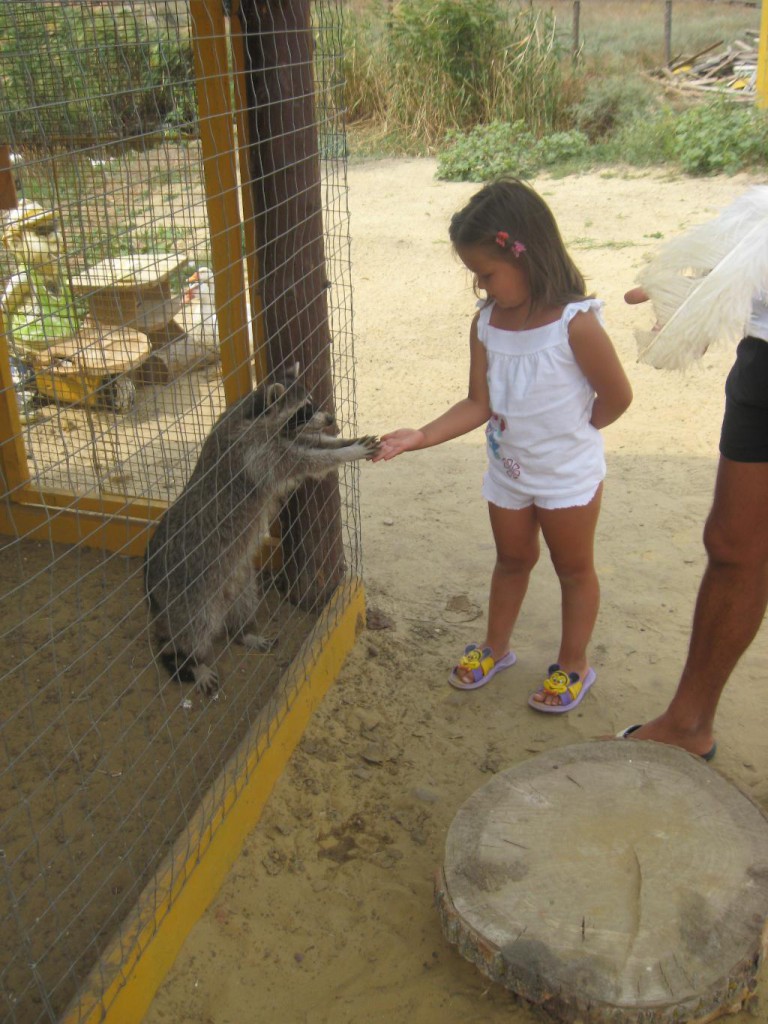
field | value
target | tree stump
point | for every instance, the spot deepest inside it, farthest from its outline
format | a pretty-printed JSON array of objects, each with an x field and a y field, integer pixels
[{"x": 621, "y": 881}]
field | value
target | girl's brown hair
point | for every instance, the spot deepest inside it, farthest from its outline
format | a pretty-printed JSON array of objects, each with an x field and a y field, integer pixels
[{"x": 511, "y": 206}]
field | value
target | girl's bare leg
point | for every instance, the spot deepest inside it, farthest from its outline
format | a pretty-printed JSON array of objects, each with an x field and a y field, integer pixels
[
  {"x": 570, "y": 535},
  {"x": 516, "y": 534}
]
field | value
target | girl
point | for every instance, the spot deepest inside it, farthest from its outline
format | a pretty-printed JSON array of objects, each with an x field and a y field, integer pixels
[{"x": 545, "y": 379}]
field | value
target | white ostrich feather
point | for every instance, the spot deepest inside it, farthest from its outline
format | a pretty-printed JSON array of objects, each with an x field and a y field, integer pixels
[{"x": 702, "y": 284}]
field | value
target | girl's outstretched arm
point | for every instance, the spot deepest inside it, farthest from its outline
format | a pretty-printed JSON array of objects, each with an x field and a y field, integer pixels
[
  {"x": 597, "y": 358},
  {"x": 462, "y": 417}
]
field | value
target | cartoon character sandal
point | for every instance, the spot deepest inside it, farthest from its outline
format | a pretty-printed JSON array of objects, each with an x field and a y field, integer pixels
[
  {"x": 569, "y": 686},
  {"x": 480, "y": 665}
]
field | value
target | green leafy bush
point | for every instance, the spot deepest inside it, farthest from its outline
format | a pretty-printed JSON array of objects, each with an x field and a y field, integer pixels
[
  {"x": 488, "y": 151},
  {"x": 562, "y": 148},
  {"x": 644, "y": 142},
  {"x": 491, "y": 150},
  {"x": 720, "y": 138}
]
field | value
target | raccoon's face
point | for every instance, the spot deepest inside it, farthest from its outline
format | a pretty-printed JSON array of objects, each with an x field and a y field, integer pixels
[
  {"x": 307, "y": 418},
  {"x": 286, "y": 405}
]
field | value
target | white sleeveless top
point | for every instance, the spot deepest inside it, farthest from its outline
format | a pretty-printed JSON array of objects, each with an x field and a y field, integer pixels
[{"x": 540, "y": 439}]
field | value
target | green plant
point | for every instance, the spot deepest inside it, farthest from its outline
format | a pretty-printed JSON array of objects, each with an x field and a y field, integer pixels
[
  {"x": 562, "y": 148},
  {"x": 488, "y": 151},
  {"x": 491, "y": 150},
  {"x": 644, "y": 142},
  {"x": 720, "y": 137}
]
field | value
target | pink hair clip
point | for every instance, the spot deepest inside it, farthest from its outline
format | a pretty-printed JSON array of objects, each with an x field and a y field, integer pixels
[{"x": 516, "y": 248}]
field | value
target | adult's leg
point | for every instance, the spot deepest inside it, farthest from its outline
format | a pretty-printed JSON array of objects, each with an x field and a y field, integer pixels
[
  {"x": 516, "y": 535},
  {"x": 570, "y": 536},
  {"x": 730, "y": 607}
]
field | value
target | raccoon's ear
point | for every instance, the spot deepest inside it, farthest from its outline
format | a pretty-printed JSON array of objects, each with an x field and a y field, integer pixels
[
  {"x": 275, "y": 392},
  {"x": 253, "y": 405}
]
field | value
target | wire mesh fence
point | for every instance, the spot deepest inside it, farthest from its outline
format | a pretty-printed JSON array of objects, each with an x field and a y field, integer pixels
[{"x": 174, "y": 227}]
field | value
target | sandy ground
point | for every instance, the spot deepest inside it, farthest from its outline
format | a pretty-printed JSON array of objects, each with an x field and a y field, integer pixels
[{"x": 327, "y": 916}]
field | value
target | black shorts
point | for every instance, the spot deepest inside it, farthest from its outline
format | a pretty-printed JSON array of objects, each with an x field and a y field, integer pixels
[{"x": 744, "y": 436}]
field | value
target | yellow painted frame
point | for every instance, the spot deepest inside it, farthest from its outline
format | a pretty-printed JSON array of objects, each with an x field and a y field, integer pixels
[
  {"x": 122, "y": 985},
  {"x": 762, "y": 60}
]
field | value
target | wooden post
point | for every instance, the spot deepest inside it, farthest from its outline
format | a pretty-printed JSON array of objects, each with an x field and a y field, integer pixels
[
  {"x": 762, "y": 60},
  {"x": 240, "y": 89},
  {"x": 286, "y": 183},
  {"x": 576, "y": 17},
  {"x": 668, "y": 32},
  {"x": 8, "y": 198},
  {"x": 217, "y": 138}
]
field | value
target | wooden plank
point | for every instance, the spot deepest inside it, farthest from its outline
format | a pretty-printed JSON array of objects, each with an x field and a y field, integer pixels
[
  {"x": 75, "y": 526},
  {"x": 128, "y": 272},
  {"x": 217, "y": 138},
  {"x": 260, "y": 359},
  {"x": 8, "y": 198},
  {"x": 761, "y": 83},
  {"x": 13, "y": 455},
  {"x": 104, "y": 504}
]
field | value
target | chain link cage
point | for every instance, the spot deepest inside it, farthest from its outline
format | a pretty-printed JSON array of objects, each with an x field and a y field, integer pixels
[{"x": 174, "y": 228}]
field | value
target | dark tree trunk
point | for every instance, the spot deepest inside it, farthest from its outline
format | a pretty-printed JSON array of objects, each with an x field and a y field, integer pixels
[{"x": 287, "y": 198}]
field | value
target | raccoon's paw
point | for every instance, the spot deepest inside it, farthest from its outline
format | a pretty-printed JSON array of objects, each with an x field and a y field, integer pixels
[
  {"x": 370, "y": 445},
  {"x": 206, "y": 680},
  {"x": 260, "y": 643}
]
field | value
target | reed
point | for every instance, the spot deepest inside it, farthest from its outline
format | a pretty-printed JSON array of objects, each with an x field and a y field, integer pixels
[{"x": 417, "y": 70}]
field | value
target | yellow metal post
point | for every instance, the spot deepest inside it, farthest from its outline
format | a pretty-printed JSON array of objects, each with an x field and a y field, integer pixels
[{"x": 762, "y": 59}]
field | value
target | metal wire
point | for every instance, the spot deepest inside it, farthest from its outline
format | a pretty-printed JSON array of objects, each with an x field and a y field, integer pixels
[{"x": 103, "y": 761}]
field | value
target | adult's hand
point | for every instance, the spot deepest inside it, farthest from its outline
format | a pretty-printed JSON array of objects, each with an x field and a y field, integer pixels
[{"x": 636, "y": 295}]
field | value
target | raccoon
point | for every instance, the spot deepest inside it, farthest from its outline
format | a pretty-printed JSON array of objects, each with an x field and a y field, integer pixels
[{"x": 199, "y": 574}]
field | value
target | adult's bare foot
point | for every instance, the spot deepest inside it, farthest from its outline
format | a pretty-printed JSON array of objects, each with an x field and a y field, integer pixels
[{"x": 695, "y": 741}]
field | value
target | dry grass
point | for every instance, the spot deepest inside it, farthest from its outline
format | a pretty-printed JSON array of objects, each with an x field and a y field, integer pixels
[{"x": 634, "y": 29}]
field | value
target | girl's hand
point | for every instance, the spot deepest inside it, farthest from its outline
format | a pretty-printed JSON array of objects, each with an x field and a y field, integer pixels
[
  {"x": 399, "y": 441},
  {"x": 597, "y": 358}
]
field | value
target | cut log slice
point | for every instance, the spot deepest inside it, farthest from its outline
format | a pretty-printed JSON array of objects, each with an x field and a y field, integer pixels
[{"x": 620, "y": 881}]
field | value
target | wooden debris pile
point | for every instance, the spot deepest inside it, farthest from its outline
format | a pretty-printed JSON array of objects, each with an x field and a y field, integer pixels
[{"x": 731, "y": 71}]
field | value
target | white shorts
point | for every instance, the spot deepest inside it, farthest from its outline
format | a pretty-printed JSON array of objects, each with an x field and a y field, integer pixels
[{"x": 514, "y": 497}]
